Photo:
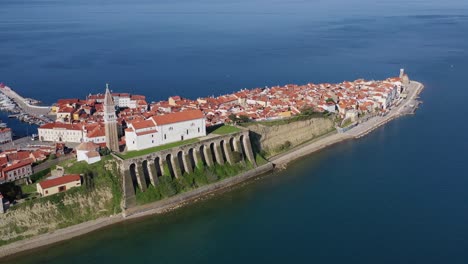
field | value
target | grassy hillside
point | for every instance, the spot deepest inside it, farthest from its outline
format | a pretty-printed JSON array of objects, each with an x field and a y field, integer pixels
[{"x": 99, "y": 196}]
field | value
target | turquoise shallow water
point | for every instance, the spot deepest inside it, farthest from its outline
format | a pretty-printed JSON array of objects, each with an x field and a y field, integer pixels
[{"x": 395, "y": 196}]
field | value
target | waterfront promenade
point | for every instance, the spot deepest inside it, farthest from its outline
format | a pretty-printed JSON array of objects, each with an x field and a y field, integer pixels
[{"x": 406, "y": 106}]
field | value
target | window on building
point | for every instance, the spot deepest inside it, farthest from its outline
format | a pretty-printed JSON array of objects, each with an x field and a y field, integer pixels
[
  {"x": 187, "y": 131},
  {"x": 152, "y": 141},
  {"x": 46, "y": 192},
  {"x": 198, "y": 130},
  {"x": 164, "y": 136}
]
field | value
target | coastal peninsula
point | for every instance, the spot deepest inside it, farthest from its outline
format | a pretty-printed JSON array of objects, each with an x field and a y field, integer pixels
[{"x": 152, "y": 157}]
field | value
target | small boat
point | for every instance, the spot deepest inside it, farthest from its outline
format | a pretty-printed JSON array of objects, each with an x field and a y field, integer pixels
[{"x": 3, "y": 125}]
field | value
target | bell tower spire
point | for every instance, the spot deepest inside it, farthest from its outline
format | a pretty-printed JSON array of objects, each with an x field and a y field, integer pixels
[{"x": 110, "y": 121}]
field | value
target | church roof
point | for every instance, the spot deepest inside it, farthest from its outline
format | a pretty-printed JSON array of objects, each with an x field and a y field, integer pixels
[
  {"x": 143, "y": 124},
  {"x": 178, "y": 117},
  {"x": 87, "y": 146}
]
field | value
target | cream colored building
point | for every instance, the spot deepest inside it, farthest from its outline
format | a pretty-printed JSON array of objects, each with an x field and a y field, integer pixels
[
  {"x": 59, "y": 132},
  {"x": 59, "y": 184}
]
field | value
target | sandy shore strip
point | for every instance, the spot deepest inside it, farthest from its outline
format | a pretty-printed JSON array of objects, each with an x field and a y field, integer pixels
[
  {"x": 186, "y": 198},
  {"x": 58, "y": 235}
]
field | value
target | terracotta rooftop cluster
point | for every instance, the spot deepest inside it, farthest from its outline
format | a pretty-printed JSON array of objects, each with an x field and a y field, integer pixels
[
  {"x": 257, "y": 104},
  {"x": 284, "y": 101}
]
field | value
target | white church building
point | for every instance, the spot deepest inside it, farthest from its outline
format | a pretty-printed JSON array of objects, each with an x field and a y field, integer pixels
[{"x": 164, "y": 129}]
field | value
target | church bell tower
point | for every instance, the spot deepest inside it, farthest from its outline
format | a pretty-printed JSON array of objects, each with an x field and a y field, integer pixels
[{"x": 110, "y": 122}]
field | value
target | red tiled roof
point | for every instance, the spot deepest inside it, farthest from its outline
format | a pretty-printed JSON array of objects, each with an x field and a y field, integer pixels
[
  {"x": 17, "y": 165},
  {"x": 3, "y": 161},
  {"x": 87, "y": 146},
  {"x": 60, "y": 181},
  {"x": 147, "y": 132},
  {"x": 97, "y": 131},
  {"x": 68, "y": 101},
  {"x": 178, "y": 117},
  {"x": 143, "y": 124},
  {"x": 138, "y": 97},
  {"x": 20, "y": 155},
  {"x": 92, "y": 154},
  {"x": 60, "y": 125},
  {"x": 38, "y": 154}
]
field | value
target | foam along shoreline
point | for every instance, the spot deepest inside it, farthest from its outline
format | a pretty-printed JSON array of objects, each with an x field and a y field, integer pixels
[{"x": 183, "y": 199}]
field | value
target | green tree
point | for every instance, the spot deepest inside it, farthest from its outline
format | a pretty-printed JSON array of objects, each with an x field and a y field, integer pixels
[
  {"x": 104, "y": 151},
  {"x": 244, "y": 118},
  {"x": 233, "y": 118}
]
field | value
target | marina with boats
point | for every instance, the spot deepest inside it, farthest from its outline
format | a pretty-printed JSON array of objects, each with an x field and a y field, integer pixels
[{"x": 24, "y": 109}]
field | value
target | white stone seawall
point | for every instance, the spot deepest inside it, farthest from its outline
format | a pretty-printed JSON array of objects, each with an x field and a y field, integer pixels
[{"x": 188, "y": 197}]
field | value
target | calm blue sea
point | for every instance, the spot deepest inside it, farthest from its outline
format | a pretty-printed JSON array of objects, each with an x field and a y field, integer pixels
[{"x": 398, "y": 195}]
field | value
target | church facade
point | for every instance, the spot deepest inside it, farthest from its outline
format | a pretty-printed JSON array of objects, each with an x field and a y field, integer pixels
[{"x": 164, "y": 129}]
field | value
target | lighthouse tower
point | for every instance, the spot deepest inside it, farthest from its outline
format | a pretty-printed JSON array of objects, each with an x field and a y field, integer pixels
[
  {"x": 404, "y": 77},
  {"x": 110, "y": 122}
]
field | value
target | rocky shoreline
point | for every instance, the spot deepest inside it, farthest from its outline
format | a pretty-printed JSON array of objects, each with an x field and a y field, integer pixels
[{"x": 189, "y": 197}]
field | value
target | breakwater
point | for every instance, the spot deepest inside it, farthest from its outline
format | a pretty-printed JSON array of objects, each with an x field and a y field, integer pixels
[{"x": 22, "y": 108}]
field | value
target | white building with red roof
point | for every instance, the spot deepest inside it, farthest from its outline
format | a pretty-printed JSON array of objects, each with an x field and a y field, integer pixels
[
  {"x": 88, "y": 151},
  {"x": 60, "y": 132},
  {"x": 164, "y": 129},
  {"x": 122, "y": 100},
  {"x": 16, "y": 171},
  {"x": 94, "y": 132}
]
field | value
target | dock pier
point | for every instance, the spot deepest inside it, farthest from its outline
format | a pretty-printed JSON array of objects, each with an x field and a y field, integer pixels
[{"x": 23, "y": 110}]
